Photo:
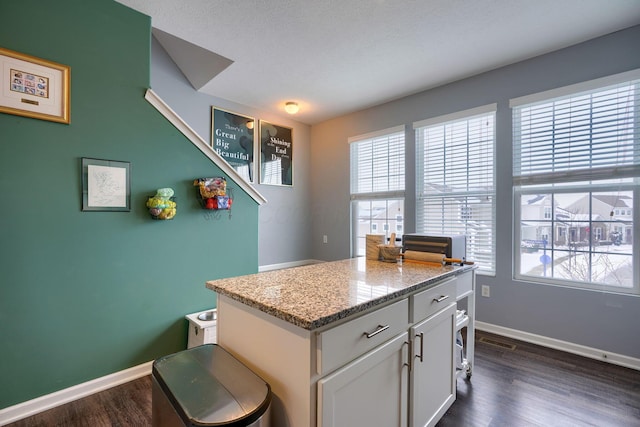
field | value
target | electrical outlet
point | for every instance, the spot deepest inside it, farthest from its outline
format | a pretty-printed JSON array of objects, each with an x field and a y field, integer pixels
[
  {"x": 324, "y": 239},
  {"x": 486, "y": 291}
]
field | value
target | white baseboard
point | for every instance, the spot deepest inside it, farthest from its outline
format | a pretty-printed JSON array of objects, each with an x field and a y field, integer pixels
[
  {"x": 287, "y": 265},
  {"x": 43, "y": 403},
  {"x": 581, "y": 350}
]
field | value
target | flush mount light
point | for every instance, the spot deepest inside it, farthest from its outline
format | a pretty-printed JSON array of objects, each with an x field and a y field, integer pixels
[{"x": 291, "y": 107}]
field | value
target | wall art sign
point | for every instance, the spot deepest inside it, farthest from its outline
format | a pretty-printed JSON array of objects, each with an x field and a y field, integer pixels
[
  {"x": 33, "y": 87},
  {"x": 106, "y": 185},
  {"x": 232, "y": 137},
  {"x": 276, "y": 154}
]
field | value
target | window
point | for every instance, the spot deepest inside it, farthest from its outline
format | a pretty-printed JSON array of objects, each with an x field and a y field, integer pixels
[
  {"x": 576, "y": 170},
  {"x": 377, "y": 185},
  {"x": 455, "y": 180}
]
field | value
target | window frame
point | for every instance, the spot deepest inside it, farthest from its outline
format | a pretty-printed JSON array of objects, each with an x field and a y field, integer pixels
[
  {"x": 376, "y": 195},
  {"x": 582, "y": 188},
  {"x": 590, "y": 181},
  {"x": 488, "y": 250}
]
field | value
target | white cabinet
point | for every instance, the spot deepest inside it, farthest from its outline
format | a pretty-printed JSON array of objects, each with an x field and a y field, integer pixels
[
  {"x": 366, "y": 360},
  {"x": 342, "y": 344},
  {"x": 433, "y": 376},
  {"x": 391, "y": 366},
  {"x": 370, "y": 391}
]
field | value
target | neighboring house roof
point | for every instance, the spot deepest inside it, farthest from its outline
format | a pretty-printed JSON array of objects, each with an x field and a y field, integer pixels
[
  {"x": 607, "y": 204},
  {"x": 536, "y": 199},
  {"x": 539, "y": 200},
  {"x": 615, "y": 201}
]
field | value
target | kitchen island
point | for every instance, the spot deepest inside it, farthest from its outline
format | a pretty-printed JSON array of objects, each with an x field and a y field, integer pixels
[{"x": 351, "y": 342}]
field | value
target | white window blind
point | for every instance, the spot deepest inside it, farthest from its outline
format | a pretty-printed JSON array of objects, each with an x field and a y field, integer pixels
[
  {"x": 377, "y": 185},
  {"x": 576, "y": 168},
  {"x": 377, "y": 164},
  {"x": 585, "y": 136},
  {"x": 455, "y": 180}
]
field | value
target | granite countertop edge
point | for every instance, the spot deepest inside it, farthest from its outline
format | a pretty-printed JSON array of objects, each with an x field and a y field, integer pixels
[{"x": 338, "y": 315}]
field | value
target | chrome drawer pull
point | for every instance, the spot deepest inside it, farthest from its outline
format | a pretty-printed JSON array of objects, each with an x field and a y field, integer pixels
[
  {"x": 442, "y": 298},
  {"x": 377, "y": 331}
]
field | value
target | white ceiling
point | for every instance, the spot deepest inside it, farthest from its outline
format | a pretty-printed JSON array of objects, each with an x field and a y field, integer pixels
[{"x": 338, "y": 56}]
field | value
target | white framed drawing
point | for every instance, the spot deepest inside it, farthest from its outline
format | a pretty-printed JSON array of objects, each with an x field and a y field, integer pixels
[{"x": 106, "y": 185}]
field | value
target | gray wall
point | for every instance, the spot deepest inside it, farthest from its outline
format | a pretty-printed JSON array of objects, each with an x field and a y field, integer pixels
[
  {"x": 594, "y": 319},
  {"x": 285, "y": 220}
]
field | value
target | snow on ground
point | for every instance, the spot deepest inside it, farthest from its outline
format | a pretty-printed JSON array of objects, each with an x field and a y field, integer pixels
[{"x": 613, "y": 266}]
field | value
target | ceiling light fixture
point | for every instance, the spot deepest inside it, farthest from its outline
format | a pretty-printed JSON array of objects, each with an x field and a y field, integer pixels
[{"x": 291, "y": 107}]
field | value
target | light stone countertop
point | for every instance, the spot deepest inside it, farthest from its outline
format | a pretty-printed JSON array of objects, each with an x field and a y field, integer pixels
[{"x": 316, "y": 295}]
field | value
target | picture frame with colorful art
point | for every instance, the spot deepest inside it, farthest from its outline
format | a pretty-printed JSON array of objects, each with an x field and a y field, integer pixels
[{"x": 34, "y": 87}]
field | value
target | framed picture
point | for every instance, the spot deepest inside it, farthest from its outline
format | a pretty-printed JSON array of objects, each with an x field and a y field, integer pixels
[
  {"x": 106, "y": 185},
  {"x": 276, "y": 154},
  {"x": 33, "y": 87},
  {"x": 232, "y": 137}
]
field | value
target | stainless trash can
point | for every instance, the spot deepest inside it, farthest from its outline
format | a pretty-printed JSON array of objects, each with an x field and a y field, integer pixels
[{"x": 206, "y": 386}]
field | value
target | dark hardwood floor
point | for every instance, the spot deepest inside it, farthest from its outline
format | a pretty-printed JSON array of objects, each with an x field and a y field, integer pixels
[
  {"x": 531, "y": 385},
  {"x": 127, "y": 405},
  {"x": 514, "y": 384}
]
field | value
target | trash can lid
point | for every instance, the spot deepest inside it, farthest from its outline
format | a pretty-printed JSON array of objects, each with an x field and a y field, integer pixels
[{"x": 209, "y": 387}]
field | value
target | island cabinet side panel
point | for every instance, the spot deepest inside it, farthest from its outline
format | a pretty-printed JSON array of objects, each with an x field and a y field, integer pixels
[{"x": 277, "y": 351}]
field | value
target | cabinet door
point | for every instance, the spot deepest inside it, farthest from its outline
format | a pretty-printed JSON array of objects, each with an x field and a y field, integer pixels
[
  {"x": 433, "y": 377},
  {"x": 368, "y": 392}
]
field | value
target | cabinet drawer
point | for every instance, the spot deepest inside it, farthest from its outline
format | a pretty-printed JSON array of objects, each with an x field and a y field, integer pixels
[
  {"x": 345, "y": 342},
  {"x": 464, "y": 284},
  {"x": 432, "y": 300}
]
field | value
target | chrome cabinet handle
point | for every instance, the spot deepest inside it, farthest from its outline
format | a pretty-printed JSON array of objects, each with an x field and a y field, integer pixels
[
  {"x": 421, "y": 335},
  {"x": 409, "y": 361},
  {"x": 380, "y": 328},
  {"x": 442, "y": 298}
]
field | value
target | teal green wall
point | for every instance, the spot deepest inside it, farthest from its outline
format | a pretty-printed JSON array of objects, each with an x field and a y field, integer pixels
[{"x": 87, "y": 294}]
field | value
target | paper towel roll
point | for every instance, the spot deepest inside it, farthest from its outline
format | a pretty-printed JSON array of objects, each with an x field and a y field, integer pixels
[
  {"x": 424, "y": 257},
  {"x": 373, "y": 240}
]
